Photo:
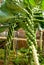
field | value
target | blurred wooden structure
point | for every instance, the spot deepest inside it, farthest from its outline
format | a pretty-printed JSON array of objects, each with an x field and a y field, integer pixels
[
  {"x": 40, "y": 39},
  {"x": 0, "y": 1},
  {"x": 21, "y": 41}
]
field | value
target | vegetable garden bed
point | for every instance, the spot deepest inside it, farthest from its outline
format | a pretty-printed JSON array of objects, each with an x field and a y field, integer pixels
[
  {"x": 18, "y": 59},
  {"x": 2, "y": 62}
]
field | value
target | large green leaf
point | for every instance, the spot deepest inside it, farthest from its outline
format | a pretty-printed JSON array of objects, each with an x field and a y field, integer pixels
[
  {"x": 42, "y": 4},
  {"x": 32, "y": 2},
  {"x": 4, "y": 19},
  {"x": 2, "y": 13},
  {"x": 38, "y": 2},
  {"x": 3, "y": 28}
]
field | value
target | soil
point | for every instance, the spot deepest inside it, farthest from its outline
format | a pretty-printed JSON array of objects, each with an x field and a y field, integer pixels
[{"x": 2, "y": 63}]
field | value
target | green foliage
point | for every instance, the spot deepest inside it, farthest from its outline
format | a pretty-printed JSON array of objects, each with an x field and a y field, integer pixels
[
  {"x": 2, "y": 28},
  {"x": 21, "y": 60},
  {"x": 42, "y": 5},
  {"x": 1, "y": 54},
  {"x": 22, "y": 11},
  {"x": 11, "y": 56},
  {"x": 41, "y": 58}
]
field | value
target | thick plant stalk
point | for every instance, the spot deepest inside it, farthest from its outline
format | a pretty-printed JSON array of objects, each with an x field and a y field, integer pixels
[
  {"x": 41, "y": 33},
  {"x": 35, "y": 57},
  {"x": 38, "y": 16},
  {"x": 31, "y": 37},
  {"x": 8, "y": 44}
]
